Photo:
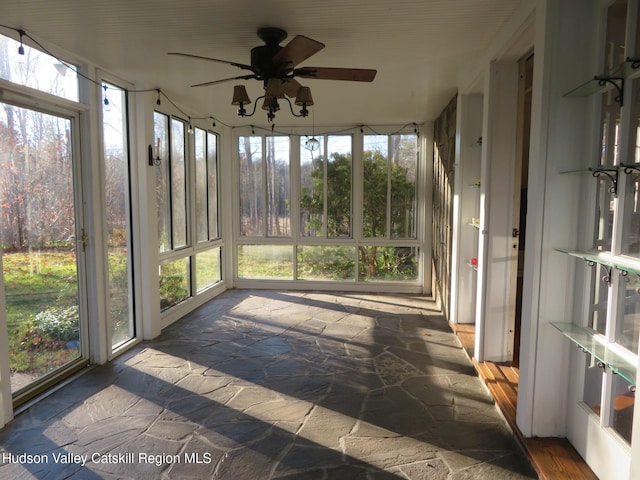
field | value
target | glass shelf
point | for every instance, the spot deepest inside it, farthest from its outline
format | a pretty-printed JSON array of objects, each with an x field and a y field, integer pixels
[
  {"x": 605, "y": 258},
  {"x": 588, "y": 88},
  {"x": 599, "y": 83},
  {"x": 614, "y": 78},
  {"x": 590, "y": 170},
  {"x": 590, "y": 342}
]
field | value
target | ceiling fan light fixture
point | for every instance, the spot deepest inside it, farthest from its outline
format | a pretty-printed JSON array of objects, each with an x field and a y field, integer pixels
[
  {"x": 303, "y": 97},
  {"x": 271, "y": 103},
  {"x": 240, "y": 98}
]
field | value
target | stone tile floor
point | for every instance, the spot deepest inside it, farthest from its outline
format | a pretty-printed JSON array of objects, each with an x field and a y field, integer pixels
[{"x": 276, "y": 385}]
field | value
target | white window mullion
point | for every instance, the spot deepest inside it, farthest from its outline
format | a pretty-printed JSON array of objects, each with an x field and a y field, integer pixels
[
  {"x": 325, "y": 188},
  {"x": 265, "y": 186},
  {"x": 294, "y": 197},
  {"x": 357, "y": 197},
  {"x": 389, "y": 170}
]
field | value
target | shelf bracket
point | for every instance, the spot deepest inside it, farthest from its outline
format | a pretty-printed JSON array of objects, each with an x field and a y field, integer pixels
[
  {"x": 629, "y": 169},
  {"x": 617, "y": 82},
  {"x": 607, "y": 277},
  {"x": 613, "y": 176},
  {"x": 634, "y": 61}
]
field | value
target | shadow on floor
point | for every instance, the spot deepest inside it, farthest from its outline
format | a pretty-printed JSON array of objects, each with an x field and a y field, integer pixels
[{"x": 262, "y": 384}]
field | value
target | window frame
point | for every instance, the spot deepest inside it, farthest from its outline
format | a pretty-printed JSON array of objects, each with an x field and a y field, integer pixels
[
  {"x": 612, "y": 148},
  {"x": 193, "y": 248},
  {"x": 355, "y": 240}
]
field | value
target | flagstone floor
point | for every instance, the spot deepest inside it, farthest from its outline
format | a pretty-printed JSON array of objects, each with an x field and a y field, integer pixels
[{"x": 276, "y": 385}]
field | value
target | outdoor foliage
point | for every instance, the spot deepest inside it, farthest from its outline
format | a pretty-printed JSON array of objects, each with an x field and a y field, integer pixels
[
  {"x": 174, "y": 283},
  {"x": 58, "y": 323},
  {"x": 326, "y": 263},
  {"x": 380, "y": 176}
]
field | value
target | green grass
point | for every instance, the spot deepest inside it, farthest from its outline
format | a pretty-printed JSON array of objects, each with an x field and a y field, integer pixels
[
  {"x": 34, "y": 281},
  {"x": 265, "y": 261}
]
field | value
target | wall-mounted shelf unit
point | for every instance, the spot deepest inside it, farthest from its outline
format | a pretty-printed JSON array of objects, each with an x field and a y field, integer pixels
[
  {"x": 590, "y": 342},
  {"x": 599, "y": 83},
  {"x": 611, "y": 172},
  {"x": 604, "y": 258}
]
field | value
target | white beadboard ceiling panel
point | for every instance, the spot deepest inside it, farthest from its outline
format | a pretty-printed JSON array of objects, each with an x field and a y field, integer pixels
[{"x": 420, "y": 48}]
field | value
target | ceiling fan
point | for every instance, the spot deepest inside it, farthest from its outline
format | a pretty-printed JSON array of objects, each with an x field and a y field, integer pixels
[{"x": 275, "y": 66}]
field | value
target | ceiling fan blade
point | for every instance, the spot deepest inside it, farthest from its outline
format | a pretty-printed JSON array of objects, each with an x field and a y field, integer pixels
[
  {"x": 291, "y": 87},
  {"x": 297, "y": 50},
  {"x": 239, "y": 65},
  {"x": 275, "y": 88},
  {"x": 280, "y": 87},
  {"x": 324, "y": 73},
  {"x": 241, "y": 77}
]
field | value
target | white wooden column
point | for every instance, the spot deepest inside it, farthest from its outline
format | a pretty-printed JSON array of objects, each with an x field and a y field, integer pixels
[{"x": 466, "y": 205}]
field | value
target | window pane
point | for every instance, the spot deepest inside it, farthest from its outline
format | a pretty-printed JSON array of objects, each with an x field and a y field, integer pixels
[
  {"x": 610, "y": 136},
  {"x": 250, "y": 154},
  {"x": 599, "y": 299},
  {"x": 207, "y": 269},
  {"x": 636, "y": 52},
  {"x": 388, "y": 263},
  {"x": 631, "y": 224},
  {"x": 178, "y": 184},
  {"x": 592, "y": 394},
  {"x": 623, "y": 402},
  {"x": 212, "y": 184},
  {"x": 202, "y": 222},
  {"x": 376, "y": 184},
  {"x": 628, "y": 325},
  {"x": 116, "y": 167},
  {"x": 338, "y": 185},
  {"x": 404, "y": 174},
  {"x": 312, "y": 189},
  {"x": 326, "y": 263},
  {"x": 265, "y": 261},
  {"x": 278, "y": 199},
  {"x": 37, "y": 70},
  {"x": 161, "y": 134},
  {"x": 174, "y": 283},
  {"x": 616, "y": 29}
]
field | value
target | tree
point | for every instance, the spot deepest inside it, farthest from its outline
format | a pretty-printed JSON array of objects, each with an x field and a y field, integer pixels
[{"x": 338, "y": 195}]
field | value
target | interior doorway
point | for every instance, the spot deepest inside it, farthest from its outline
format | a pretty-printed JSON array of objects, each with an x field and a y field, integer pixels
[{"x": 525, "y": 90}]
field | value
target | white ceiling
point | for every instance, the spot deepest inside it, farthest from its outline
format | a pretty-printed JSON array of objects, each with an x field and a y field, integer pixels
[{"x": 423, "y": 49}]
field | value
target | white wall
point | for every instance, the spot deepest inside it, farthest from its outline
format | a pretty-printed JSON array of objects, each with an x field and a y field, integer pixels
[{"x": 466, "y": 205}]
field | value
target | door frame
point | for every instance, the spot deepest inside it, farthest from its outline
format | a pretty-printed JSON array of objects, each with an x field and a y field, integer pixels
[
  {"x": 520, "y": 179},
  {"x": 51, "y": 105}
]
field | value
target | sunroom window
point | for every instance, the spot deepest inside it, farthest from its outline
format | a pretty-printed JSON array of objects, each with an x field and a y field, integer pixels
[
  {"x": 344, "y": 216},
  {"x": 37, "y": 70},
  {"x": 188, "y": 168}
]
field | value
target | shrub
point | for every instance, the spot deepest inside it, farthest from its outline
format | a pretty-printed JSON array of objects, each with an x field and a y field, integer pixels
[{"x": 58, "y": 323}]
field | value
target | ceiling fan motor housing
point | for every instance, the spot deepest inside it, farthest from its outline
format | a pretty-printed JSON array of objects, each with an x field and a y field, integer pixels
[{"x": 262, "y": 62}]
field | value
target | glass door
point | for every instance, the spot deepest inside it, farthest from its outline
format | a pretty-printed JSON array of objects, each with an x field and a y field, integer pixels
[{"x": 42, "y": 243}]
